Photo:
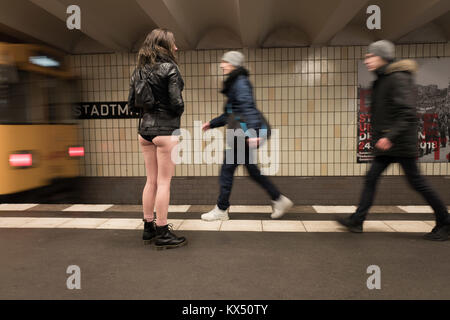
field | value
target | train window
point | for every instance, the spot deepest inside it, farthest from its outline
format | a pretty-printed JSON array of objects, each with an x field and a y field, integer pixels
[
  {"x": 13, "y": 96},
  {"x": 38, "y": 99},
  {"x": 60, "y": 100},
  {"x": 35, "y": 98}
]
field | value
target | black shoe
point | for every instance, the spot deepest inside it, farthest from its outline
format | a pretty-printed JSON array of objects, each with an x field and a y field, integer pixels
[
  {"x": 351, "y": 225},
  {"x": 149, "y": 234},
  {"x": 439, "y": 233},
  {"x": 166, "y": 239}
]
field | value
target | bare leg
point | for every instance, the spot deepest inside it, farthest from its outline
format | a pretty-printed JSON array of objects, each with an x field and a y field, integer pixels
[
  {"x": 166, "y": 169},
  {"x": 151, "y": 169}
]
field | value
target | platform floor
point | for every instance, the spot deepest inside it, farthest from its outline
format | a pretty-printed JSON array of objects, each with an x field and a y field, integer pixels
[
  {"x": 221, "y": 265},
  {"x": 305, "y": 255}
]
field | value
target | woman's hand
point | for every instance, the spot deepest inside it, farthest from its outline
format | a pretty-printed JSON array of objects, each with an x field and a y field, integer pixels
[
  {"x": 254, "y": 142},
  {"x": 206, "y": 126}
]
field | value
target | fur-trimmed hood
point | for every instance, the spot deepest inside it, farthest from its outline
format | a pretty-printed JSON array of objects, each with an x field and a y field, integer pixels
[
  {"x": 231, "y": 78},
  {"x": 407, "y": 65}
]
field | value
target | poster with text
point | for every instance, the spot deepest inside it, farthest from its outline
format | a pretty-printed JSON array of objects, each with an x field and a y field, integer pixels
[{"x": 433, "y": 110}]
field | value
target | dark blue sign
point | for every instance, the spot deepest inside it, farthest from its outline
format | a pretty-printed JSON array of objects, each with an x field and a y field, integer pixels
[{"x": 103, "y": 110}]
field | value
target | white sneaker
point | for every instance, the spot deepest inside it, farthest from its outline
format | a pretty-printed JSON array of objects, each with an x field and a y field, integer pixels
[
  {"x": 215, "y": 214},
  {"x": 280, "y": 207}
]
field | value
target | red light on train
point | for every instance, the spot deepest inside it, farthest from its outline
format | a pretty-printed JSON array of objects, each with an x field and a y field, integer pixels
[
  {"x": 76, "y": 151},
  {"x": 21, "y": 160}
]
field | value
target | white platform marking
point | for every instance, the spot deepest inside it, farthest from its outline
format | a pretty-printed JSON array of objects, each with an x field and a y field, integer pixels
[
  {"x": 89, "y": 207},
  {"x": 250, "y": 209},
  {"x": 179, "y": 208},
  {"x": 122, "y": 224},
  {"x": 83, "y": 223},
  {"x": 230, "y": 225},
  {"x": 376, "y": 226},
  {"x": 200, "y": 225},
  {"x": 430, "y": 223},
  {"x": 283, "y": 226},
  {"x": 409, "y": 226},
  {"x": 241, "y": 225},
  {"x": 323, "y": 226},
  {"x": 334, "y": 209},
  {"x": 417, "y": 209},
  {"x": 14, "y": 222},
  {"x": 16, "y": 206},
  {"x": 46, "y": 222}
]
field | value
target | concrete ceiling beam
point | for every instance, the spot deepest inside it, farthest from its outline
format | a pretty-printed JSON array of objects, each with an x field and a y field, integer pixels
[
  {"x": 94, "y": 28},
  {"x": 344, "y": 12},
  {"x": 398, "y": 18},
  {"x": 256, "y": 21},
  {"x": 161, "y": 14},
  {"x": 25, "y": 18}
]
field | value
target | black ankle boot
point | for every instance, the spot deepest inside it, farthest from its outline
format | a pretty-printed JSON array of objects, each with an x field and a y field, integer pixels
[
  {"x": 166, "y": 239},
  {"x": 350, "y": 224},
  {"x": 439, "y": 233},
  {"x": 149, "y": 232}
]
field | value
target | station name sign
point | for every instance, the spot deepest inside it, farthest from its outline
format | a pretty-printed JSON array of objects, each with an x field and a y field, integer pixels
[{"x": 102, "y": 110}]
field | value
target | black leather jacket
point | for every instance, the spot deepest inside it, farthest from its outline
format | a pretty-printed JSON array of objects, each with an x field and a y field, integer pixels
[{"x": 167, "y": 84}]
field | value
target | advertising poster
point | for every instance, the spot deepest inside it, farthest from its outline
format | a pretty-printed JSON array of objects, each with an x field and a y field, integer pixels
[{"x": 433, "y": 110}]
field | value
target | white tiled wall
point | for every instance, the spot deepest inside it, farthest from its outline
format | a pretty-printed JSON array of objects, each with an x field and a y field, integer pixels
[{"x": 307, "y": 93}]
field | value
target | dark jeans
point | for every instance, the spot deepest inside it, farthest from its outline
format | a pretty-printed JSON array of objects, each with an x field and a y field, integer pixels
[
  {"x": 415, "y": 179},
  {"x": 227, "y": 174}
]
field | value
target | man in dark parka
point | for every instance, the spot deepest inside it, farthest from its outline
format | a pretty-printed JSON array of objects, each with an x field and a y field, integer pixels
[{"x": 394, "y": 131}]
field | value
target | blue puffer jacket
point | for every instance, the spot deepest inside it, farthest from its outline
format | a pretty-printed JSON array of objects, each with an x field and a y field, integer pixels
[{"x": 240, "y": 109}]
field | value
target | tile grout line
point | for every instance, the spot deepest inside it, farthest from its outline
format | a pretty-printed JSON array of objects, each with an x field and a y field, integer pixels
[
  {"x": 389, "y": 226},
  {"x": 304, "y": 227},
  {"x": 102, "y": 224},
  {"x": 179, "y": 226}
]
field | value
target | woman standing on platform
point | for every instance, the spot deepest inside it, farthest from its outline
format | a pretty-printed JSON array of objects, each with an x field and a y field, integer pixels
[{"x": 155, "y": 92}]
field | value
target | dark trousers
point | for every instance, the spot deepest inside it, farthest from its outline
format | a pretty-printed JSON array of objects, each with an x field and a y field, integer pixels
[
  {"x": 415, "y": 179},
  {"x": 230, "y": 163}
]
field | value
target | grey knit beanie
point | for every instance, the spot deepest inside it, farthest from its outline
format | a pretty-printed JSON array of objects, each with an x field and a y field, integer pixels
[
  {"x": 383, "y": 48},
  {"x": 234, "y": 57}
]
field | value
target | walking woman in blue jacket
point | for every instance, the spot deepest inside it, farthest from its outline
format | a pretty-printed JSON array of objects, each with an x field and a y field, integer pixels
[{"x": 240, "y": 113}]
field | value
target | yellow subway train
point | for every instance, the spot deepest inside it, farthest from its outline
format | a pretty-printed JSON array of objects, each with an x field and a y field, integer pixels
[{"x": 39, "y": 138}]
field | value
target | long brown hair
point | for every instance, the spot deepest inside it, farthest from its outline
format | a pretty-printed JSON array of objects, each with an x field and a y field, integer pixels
[{"x": 158, "y": 46}]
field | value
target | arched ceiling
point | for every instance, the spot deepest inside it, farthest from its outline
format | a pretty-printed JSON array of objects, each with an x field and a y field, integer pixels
[{"x": 121, "y": 25}]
